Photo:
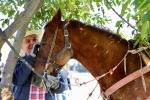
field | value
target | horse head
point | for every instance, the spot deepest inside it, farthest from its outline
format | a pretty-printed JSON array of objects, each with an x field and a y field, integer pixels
[{"x": 55, "y": 49}]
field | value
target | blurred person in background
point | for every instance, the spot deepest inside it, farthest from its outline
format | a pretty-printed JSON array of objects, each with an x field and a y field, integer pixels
[{"x": 64, "y": 73}]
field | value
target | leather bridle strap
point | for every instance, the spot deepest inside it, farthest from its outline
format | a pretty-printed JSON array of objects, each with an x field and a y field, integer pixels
[
  {"x": 41, "y": 59},
  {"x": 124, "y": 81},
  {"x": 67, "y": 46},
  {"x": 51, "y": 50},
  {"x": 51, "y": 60},
  {"x": 48, "y": 60}
]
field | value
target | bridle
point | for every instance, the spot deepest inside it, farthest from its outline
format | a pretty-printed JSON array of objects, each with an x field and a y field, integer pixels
[{"x": 51, "y": 60}]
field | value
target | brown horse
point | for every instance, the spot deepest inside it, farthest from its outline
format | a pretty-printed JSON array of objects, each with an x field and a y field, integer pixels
[{"x": 97, "y": 49}]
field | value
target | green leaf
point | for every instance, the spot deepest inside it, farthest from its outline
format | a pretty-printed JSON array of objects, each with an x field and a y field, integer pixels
[
  {"x": 124, "y": 7},
  {"x": 97, "y": 4},
  {"x": 118, "y": 30},
  {"x": 146, "y": 6},
  {"x": 11, "y": 13},
  {"x": 1, "y": 87},
  {"x": 97, "y": 0},
  {"x": 118, "y": 23},
  {"x": 3, "y": 24},
  {"x": 91, "y": 6},
  {"x": 141, "y": 3},
  {"x": 20, "y": 2},
  {"x": 137, "y": 3},
  {"x": 106, "y": 4},
  {"x": 113, "y": 2},
  {"x": 118, "y": 2},
  {"x": 139, "y": 24},
  {"x": 48, "y": 1},
  {"x": 136, "y": 42},
  {"x": 148, "y": 30},
  {"x": 17, "y": 14},
  {"x": 133, "y": 32},
  {"x": 56, "y": 5},
  {"x": 6, "y": 21},
  {"x": 144, "y": 30},
  {"x": 146, "y": 17},
  {"x": 128, "y": 16}
]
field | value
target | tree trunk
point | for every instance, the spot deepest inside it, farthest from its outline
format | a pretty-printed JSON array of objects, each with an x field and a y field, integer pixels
[{"x": 12, "y": 58}]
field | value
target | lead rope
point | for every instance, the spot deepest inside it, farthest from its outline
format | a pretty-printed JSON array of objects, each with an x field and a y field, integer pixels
[
  {"x": 142, "y": 75},
  {"x": 97, "y": 78},
  {"x": 92, "y": 91},
  {"x": 105, "y": 95},
  {"x": 48, "y": 59},
  {"x": 111, "y": 71}
]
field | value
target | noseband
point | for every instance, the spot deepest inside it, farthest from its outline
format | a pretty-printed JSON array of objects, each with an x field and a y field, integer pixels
[{"x": 51, "y": 60}]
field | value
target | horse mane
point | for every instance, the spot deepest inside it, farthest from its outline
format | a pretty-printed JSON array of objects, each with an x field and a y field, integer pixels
[{"x": 77, "y": 23}]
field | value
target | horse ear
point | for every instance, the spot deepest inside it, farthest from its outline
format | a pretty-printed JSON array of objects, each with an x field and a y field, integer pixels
[{"x": 57, "y": 16}]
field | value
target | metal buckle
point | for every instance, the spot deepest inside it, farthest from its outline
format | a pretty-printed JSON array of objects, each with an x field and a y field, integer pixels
[
  {"x": 65, "y": 32},
  {"x": 105, "y": 97}
]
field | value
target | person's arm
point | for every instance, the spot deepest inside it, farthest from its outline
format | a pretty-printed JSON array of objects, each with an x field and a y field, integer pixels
[
  {"x": 69, "y": 83},
  {"x": 68, "y": 80},
  {"x": 21, "y": 71}
]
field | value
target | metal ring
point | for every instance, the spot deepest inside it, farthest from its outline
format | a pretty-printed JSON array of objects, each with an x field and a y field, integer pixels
[{"x": 51, "y": 61}]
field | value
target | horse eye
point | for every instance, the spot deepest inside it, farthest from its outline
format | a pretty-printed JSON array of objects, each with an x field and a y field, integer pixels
[{"x": 43, "y": 44}]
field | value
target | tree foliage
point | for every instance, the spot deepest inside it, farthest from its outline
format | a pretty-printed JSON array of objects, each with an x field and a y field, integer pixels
[{"x": 89, "y": 11}]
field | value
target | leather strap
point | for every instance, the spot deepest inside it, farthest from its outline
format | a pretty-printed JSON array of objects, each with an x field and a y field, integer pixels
[{"x": 125, "y": 80}]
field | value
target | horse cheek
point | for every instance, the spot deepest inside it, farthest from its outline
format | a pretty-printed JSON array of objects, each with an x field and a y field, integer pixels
[{"x": 65, "y": 57}]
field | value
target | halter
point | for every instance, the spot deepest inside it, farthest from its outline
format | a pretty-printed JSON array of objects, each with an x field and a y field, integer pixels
[{"x": 51, "y": 60}]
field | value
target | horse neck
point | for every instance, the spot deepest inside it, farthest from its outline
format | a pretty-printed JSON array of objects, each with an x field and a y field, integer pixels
[{"x": 96, "y": 48}]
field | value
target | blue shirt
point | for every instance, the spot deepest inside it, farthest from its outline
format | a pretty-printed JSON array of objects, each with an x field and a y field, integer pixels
[
  {"x": 64, "y": 74},
  {"x": 22, "y": 80}
]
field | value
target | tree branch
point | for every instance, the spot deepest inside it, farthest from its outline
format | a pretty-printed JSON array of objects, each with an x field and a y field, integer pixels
[
  {"x": 0, "y": 40},
  {"x": 22, "y": 19},
  {"x": 121, "y": 17},
  {"x": 11, "y": 61}
]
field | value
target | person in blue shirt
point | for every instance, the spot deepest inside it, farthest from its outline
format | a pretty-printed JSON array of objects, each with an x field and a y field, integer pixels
[
  {"x": 23, "y": 88},
  {"x": 65, "y": 75}
]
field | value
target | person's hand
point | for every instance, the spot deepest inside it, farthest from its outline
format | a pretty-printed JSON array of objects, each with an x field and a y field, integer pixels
[
  {"x": 34, "y": 49},
  {"x": 53, "y": 81}
]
